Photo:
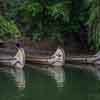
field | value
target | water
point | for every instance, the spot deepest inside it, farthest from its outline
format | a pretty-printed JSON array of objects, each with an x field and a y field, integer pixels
[{"x": 42, "y": 85}]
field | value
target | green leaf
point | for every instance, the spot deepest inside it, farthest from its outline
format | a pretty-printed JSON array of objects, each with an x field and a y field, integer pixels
[{"x": 9, "y": 28}]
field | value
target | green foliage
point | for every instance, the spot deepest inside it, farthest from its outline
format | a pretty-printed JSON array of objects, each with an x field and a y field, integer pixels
[
  {"x": 94, "y": 24},
  {"x": 51, "y": 19},
  {"x": 36, "y": 36},
  {"x": 44, "y": 20},
  {"x": 60, "y": 9},
  {"x": 8, "y": 29},
  {"x": 31, "y": 8},
  {"x": 9, "y": 8}
]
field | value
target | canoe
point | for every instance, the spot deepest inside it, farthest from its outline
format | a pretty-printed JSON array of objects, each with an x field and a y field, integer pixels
[
  {"x": 84, "y": 59},
  {"x": 57, "y": 59},
  {"x": 16, "y": 61}
]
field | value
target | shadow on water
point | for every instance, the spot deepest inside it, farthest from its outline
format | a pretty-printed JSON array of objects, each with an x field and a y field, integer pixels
[{"x": 78, "y": 85}]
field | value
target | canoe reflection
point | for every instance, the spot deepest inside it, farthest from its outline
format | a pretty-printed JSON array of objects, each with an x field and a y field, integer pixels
[
  {"x": 17, "y": 75},
  {"x": 57, "y": 73}
]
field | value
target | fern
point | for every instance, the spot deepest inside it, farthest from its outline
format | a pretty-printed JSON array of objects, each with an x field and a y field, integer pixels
[{"x": 8, "y": 29}]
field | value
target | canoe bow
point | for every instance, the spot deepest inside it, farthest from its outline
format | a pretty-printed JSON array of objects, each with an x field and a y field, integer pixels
[
  {"x": 56, "y": 60},
  {"x": 18, "y": 61}
]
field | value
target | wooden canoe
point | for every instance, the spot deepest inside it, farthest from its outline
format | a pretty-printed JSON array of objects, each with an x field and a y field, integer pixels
[{"x": 17, "y": 61}]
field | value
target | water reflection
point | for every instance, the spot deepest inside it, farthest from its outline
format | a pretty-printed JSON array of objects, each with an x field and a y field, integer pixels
[
  {"x": 94, "y": 69},
  {"x": 17, "y": 75},
  {"x": 79, "y": 85},
  {"x": 57, "y": 73}
]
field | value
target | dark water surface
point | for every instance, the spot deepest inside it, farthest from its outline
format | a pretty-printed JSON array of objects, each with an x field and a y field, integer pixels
[{"x": 78, "y": 85}]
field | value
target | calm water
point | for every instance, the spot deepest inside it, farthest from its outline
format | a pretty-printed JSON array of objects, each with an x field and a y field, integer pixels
[{"x": 38, "y": 85}]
